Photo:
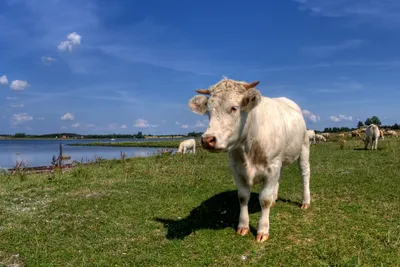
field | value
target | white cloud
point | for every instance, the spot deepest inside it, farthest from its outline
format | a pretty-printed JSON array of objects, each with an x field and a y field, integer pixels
[
  {"x": 40, "y": 118},
  {"x": 380, "y": 12},
  {"x": 112, "y": 126},
  {"x": 89, "y": 125},
  {"x": 200, "y": 124},
  {"x": 310, "y": 116},
  {"x": 73, "y": 39},
  {"x": 341, "y": 118},
  {"x": 185, "y": 126},
  {"x": 80, "y": 125},
  {"x": 334, "y": 118},
  {"x": 47, "y": 60},
  {"x": 123, "y": 126},
  {"x": 177, "y": 123},
  {"x": 11, "y": 98},
  {"x": 19, "y": 86},
  {"x": 3, "y": 80},
  {"x": 17, "y": 105},
  {"x": 141, "y": 123},
  {"x": 327, "y": 50},
  {"x": 21, "y": 118},
  {"x": 67, "y": 116}
]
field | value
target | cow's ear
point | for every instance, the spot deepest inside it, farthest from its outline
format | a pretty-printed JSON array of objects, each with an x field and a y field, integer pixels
[
  {"x": 250, "y": 99},
  {"x": 198, "y": 104}
]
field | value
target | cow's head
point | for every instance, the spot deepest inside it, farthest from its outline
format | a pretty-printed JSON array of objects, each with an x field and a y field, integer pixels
[{"x": 227, "y": 107}]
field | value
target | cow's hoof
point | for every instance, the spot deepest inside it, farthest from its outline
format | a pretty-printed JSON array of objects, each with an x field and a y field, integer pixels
[
  {"x": 262, "y": 237},
  {"x": 305, "y": 206},
  {"x": 242, "y": 231}
]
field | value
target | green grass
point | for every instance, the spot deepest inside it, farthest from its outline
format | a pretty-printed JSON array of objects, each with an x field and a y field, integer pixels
[
  {"x": 172, "y": 144},
  {"x": 182, "y": 210}
]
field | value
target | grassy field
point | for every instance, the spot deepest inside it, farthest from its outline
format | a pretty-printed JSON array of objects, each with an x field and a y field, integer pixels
[
  {"x": 171, "y": 144},
  {"x": 182, "y": 210}
]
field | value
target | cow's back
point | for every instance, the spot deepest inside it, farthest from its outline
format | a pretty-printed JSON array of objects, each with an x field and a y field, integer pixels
[{"x": 278, "y": 127}]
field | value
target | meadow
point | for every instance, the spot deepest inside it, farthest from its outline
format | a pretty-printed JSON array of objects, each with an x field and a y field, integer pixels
[{"x": 182, "y": 210}]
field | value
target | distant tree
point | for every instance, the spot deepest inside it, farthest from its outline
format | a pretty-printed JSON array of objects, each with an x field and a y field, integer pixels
[
  {"x": 395, "y": 126},
  {"x": 194, "y": 134},
  {"x": 373, "y": 120},
  {"x": 19, "y": 135},
  {"x": 139, "y": 135},
  {"x": 360, "y": 124}
]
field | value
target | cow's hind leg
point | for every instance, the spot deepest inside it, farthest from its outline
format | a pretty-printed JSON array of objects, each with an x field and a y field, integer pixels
[
  {"x": 267, "y": 198},
  {"x": 304, "y": 166},
  {"x": 276, "y": 189}
]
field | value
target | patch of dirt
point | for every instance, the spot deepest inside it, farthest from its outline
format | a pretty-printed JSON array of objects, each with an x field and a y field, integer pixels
[
  {"x": 11, "y": 260},
  {"x": 86, "y": 192}
]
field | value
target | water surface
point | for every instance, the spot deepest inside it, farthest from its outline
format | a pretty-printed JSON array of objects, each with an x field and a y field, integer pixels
[{"x": 40, "y": 152}]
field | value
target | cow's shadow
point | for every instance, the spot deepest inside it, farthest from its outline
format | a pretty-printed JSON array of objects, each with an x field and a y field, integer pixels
[{"x": 218, "y": 212}]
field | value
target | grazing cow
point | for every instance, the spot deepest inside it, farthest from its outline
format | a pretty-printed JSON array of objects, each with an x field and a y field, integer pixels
[
  {"x": 382, "y": 135},
  {"x": 355, "y": 133},
  {"x": 186, "y": 145},
  {"x": 326, "y": 135},
  {"x": 320, "y": 138},
  {"x": 311, "y": 136},
  {"x": 261, "y": 135},
  {"x": 371, "y": 136},
  {"x": 391, "y": 133},
  {"x": 341, "y": 135}
]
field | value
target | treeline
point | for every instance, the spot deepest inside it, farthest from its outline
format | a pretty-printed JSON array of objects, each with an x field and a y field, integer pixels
[
  {"x": 347, "y": 129},
  {"x": 194, "y": 134},
  {"x": 337, "y": 130},
  {"x": 139, "y": 135}
]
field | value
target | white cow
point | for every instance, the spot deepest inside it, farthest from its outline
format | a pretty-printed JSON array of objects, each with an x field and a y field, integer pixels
[
  {"x": 372, "y": 134},
  {"x": 392, "y": 133},
  {"x": 320, "y": 138},
  {"x": 311, "y": 136},
  {"x": 261, "y": 135},
  {"x": 186, "y": 145},
  {"x": 326, "y": 135}
]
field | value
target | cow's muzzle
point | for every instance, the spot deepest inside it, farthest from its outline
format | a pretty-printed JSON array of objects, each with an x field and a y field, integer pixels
[{"x": 208, "y": 142}]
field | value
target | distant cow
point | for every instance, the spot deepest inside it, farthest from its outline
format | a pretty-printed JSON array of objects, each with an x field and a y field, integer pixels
[
  {"x": 311, "y": 136},
  {"x": 391, "y": 133},
  {"x": 326, "y": 135},
  {"x": 261, "y": 135},
  {"x": 382, "y": 135},
  {"x": 320, "y": 138},
  {"x": 355, "y": 133},
  {"x": 186, "y": 146},
  {"x": 341, "y": 135},
  {"x": 371, "y": 136}
]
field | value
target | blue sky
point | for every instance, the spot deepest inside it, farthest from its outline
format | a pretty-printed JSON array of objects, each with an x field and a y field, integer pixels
[{"x": 99, "y": 66}]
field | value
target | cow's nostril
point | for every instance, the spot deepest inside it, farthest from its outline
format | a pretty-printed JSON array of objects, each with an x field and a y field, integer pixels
[
  {"x": 212, "y": 141},
  {"x": 208, "y": 142}
]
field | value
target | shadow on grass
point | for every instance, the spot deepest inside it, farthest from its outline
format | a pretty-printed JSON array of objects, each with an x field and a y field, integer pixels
[{"x": 218, "y": 212}]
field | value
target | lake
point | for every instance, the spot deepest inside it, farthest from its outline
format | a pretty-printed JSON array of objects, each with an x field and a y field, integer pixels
[{"x": 40, "y": 152}]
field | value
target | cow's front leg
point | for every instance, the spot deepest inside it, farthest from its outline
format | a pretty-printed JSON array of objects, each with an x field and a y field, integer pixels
[
  {"x": 244, "y": 197},
  {"x": 267, "y": 198}
]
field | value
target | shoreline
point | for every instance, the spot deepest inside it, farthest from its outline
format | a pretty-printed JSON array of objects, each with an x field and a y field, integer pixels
[
  {"x": 44, "y": 168},
  {"x": 154, "y": 144}
]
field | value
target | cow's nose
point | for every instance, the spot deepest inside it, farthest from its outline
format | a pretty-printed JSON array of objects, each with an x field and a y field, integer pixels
[{"x": 208, "y": 142}]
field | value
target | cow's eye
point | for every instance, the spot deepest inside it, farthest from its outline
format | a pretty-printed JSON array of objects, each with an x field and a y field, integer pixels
[{"x": 234, "y": 109}]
